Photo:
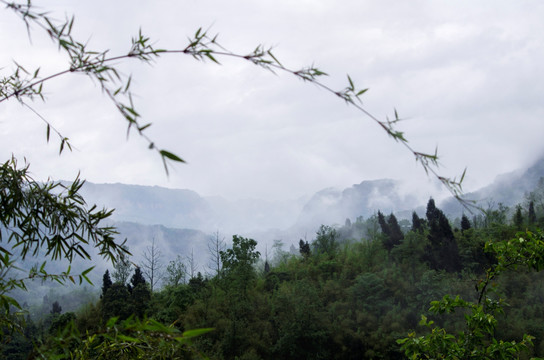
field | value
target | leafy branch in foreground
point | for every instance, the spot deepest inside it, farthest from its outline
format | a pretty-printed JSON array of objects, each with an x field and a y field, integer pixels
[
  {"x": 128, "y": 339},
  {"x": 96, "y": 64},
  {"x": 50, "y": 220},
  {"x": 477, "y": 341}
]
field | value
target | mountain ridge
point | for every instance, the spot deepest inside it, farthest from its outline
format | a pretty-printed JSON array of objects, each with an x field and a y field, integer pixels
[{"x": 186, "y": 209}]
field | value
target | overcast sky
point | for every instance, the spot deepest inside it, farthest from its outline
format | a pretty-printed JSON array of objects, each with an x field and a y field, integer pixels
[{"x": 468, "y": 77}]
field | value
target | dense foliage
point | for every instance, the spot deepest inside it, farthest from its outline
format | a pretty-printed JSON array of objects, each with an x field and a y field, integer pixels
[{"x": 338, "y": 297}]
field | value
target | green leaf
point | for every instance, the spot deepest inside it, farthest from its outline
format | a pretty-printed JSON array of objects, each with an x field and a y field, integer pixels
[
  {"x": 196, "y": 332},
  {"x": 273, "y": 57},
  {"x": 169, "y": 155},
  {"x": 361, "y": 92},
  {"x": 210, "y": 56},
  {"x": 351, "y": 86},
  {"x": 128, "y": 338},
  {"x": 463, "y": 176},
  {"x": 112, "y": 321}
]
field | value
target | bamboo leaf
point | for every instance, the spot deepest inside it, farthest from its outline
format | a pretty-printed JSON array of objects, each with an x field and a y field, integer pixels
[
  {"x": 351, "y": 86},
  {"x": 169, "y": 155},
  {"x": 361, "y": 92},
  {"x": 196, "y": 332}
]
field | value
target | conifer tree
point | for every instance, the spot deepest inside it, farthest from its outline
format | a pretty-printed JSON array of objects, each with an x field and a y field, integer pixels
[
  {"x": 392, "y": 234},
  {"x": 137, "y": 278},
  {"x": 465, "y": 223},
  {"x": 531, "y": 216},
  {"x": 383, "y": 224},
  {"x": 56, "y": 309},
  {"x": 442, "y": 252},
  {"x": 106, "y": 283},
  {"x": 417, "y": 223},
  {"x": 395, "y": 236},
  {"x": 518, "y": 218},
  {"x": 115, "y": 302},
  {"x": 140, "y": 294}
]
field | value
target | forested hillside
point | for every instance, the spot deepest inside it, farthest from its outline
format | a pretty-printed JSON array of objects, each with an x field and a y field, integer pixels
[{"x": 349, "y": 293}]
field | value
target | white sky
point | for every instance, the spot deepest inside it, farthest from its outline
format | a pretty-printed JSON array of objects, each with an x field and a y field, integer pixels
[{"x": 467, "y": 76}]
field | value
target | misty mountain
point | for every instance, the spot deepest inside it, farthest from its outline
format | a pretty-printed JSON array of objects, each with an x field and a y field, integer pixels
[
  {"x": 158, "y": 212},
  {"x": 331, "y": 206},
  {"x": 151, "y": 205},
  {"x": 185, "y": 209},
  {"x": 171, "y": 242},
  {"x": 508, "y": 189}
]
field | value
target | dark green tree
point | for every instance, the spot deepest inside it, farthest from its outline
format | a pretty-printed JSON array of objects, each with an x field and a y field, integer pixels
[
  {"x": 384, "y": 226},
  {"x": 140, "y": 294},
  {"x": 465, "y": 223},
  {"x": 518, "y": 218},
  {"x": 395, "y": 233},
  {"x": 140, "y": 299},
  {"x": 116, "y": 302},
  {"x": 391, "y": 232},
  {"x": 442, "y": 252},
  {"x": 418, "y": 224},
  {"x": 304, "y": 248},
  {"x": 56, "y": 309},
  {"x": 197, "y": 283},
  {"x": 106, "y": 283},
  {"x": 531, "y": 214},
  {"x": 137, "y": 279}
]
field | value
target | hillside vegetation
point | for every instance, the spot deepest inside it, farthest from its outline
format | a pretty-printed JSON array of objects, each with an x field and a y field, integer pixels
[{"x": 350, "y": 293}]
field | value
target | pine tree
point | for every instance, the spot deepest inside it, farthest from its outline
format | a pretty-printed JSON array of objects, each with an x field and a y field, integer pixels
[
  {"x": 106, "y": 283},
  {"x": 383, "y": 224},
  {"x": 115, "y": 302},
  {"x": 137, "y": 279},
  {"x": 56, "y": 309},
  {"x": 442, "y": 252},
  {"x": 431, "y": 212},
  {"x": 518, "y": 218},
  {"x": 417, "y": 223},
  {"x": 531, "y": 216},
  {"x": 140, "y": 294},
  {"x": 465, "y": 223},
  {"x": 395, "y": 236}
]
